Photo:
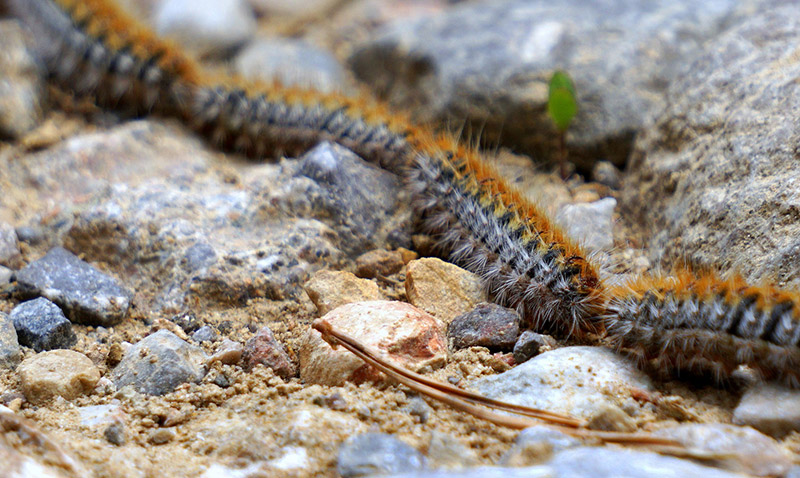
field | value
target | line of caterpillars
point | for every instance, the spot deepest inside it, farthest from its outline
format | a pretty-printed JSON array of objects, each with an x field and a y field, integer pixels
[{"x": 682, "y": 323}]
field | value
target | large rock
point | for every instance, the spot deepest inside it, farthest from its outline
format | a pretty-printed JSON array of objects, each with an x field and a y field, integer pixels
[
  {"x": 714, "y": 179},
  {"x": 772, "y": 409},
  {"x": 490, "y": 62}
]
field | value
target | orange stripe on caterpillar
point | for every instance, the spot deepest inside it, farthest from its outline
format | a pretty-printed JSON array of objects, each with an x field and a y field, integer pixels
[{"x": 705, "y": 325}]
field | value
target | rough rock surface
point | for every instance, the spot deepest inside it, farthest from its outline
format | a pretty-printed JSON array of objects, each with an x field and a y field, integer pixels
[
  {"x": 158, "y": 363},
  {"x": 487, "y": 325},
  {"x": 770, "y": 408},
  {"x": 442, "y": 289},
  {"x": 63, "y": 373},
  {"x": 9, "y": 246},
  {"x": 330, "y": 289},
  {"x": 591, "y": 225},
  {"x": 264, "y": 349},
  {"x": 377, "y": 454},
  {"x": 404, "y": 334},
  {"x": 491, "y": 63},
  {"x": 10, "y": 353},
  {"x": 86, "y": 294},
  {"x": 205, "y": 26},
  {"x": 588, "y": 382},
  {"x": 41, "y": 325},
  {"x": 713, "y": 178},
  {"x": 22, "y": 86}
]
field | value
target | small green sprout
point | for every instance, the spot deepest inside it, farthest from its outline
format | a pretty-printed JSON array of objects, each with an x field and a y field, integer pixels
[{"x": 562, "y": 106}]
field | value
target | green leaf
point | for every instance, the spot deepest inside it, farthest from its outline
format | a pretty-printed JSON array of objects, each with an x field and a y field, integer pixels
[{"x": 561, "y": 103}]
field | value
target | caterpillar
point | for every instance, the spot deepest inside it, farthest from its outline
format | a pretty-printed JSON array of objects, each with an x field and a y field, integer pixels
[{"x": 685, "y": 323}]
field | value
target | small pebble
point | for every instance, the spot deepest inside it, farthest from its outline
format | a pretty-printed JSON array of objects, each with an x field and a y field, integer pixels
[
  {"x": 487, "y": 325},
  {"x": 161, "y": 436},
  {"x": 442, "y": 289},
  {"x": 331, "y": 289},
  {"x": 379, "y": 263},
  {"x": 605, "y": 173},
  {"x": 158, "y": 363},
  {"x": 419, "y": 408},
  {"x": 536, "y": 445},
  {"x": 772, "y": 409},
  {"x": 205, "y": 333},
  {"x": 530, "y": 344},
  {"x": 406, "y": 335},
  {"x": 10, "y": 353},
  {"x": 229, "y": 353},
  {"x": 115, "y": 434},
  {"x": 10, "y": 255},
  {"x": 84, "y": 293},
  {"x": 5, "y": 275},
  {"x": 375, "y": 454},
  {"x": 41, "y": 325},
  {"x": 264, "y": 349},
  {"x": 57, "y": 373}
]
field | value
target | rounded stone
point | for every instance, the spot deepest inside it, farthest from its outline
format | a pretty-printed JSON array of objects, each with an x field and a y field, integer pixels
[{"x": 63, "y": 373}]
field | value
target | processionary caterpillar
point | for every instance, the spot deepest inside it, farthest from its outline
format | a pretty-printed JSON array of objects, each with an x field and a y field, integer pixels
[{"x": 694, "y": 323}]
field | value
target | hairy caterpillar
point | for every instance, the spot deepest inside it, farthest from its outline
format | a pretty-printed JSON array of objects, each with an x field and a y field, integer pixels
[{"x": 685, "y": 323}]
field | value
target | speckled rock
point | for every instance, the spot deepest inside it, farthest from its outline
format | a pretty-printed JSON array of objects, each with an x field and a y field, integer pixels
[
  {"x": 487, "y": 325},
  {"x": 770, "y": 408},
  {"x": 403, "y": 333},
  {"x": 375, "y": 454},
  {"x": 10, "y": 353},
  {"x": 442, "y": 289},
  {"x": 83, "y": 292},
  {"x": 586, "y": 382},
  {"x": 158, "y": 363},
  {"x": 705, "y": 176},
  {"x": 331, "y": 289},
  {"x": 590, "y": 224},
  {"x": 63, "y": 373},
  {"x": 264, "y": 349},
  {"x": 22, "y": 87},
  {"x": 205, "y": 26},
  {"x": 491, "y": 63},
  {"x": 741, "y": 449},
  {"x": 361, "y": 202},
  {"x": 292, "y": 62},
  {"x": 41, "y": 325},
  {"x": 536, "y": 445},
  {"x": 9, "y": 246},
  {"x": 530, "y": 344}
]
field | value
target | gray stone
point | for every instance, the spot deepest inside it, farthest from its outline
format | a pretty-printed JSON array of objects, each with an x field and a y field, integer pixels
[
  {"x": 590, "y": 224},
  {"x": 530, "y": 344},
  {"x": 377, "y": 453},
  {"x": 83, "y": 292},
  {"x": 773, "y": 409},
  {"x": 22, "y": 86},
  {"x": 487, "y": 325},
  {"x": 481, "y": 472},
  {"x": 353, "y": 197},
  {"x": 607, "y": 174},
  {"x": 292, "y": 62},
  {"x": 535, "y": 445},
  {"x": 584, "y": 382},
  {"x": 159, "y": 363},
  {"x": 205, "y": 333},
  {"x": 739, "y": 449},
  {"x": 10, "y": 353},
  {"x": 205, "y": 26},
  {"x": 9, "y": 246},
  {"x": 41, "y": 325},
  {"x": 115, "y": 434},
  {"x": 490, "y": 62},
  {"x": 715, "y": 176},
  {"x": 5, "y": 275}
]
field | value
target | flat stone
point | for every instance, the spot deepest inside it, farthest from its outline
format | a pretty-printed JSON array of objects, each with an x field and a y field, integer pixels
[
  {"x": 402, "y": 333},
  {"x": 741, "y": 449},
  {"x": 41, "y": 325},
  {"x": 703, "y": 175},
  {"x": 63, "y": 373},
  {"x": 537, "y": 445},
  {"x": 10, "y": 255},
  {"x": 530, "y": 344},
  {"x": 292, "y": 62},
  {"x": 491, "y": 62},
  {"x": 772, "y": 409},
  {"x": 207, "y": 27},
  {"x": 22, "y": 87},
  {"x": 487, "y": 325},
  {"x": 83, "y": 292},
  {"x": 584, "y": 382},
  {"x": 377, "y": 454},
  {"x": 442, "y": 289},
  {"x": 590, "y": 224},
  {"x": 10, "y": 353},
  {"x": 264, "y": 349},
  {"x": 159, "y": 363},
  {"x": 331, "y": 289}
]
